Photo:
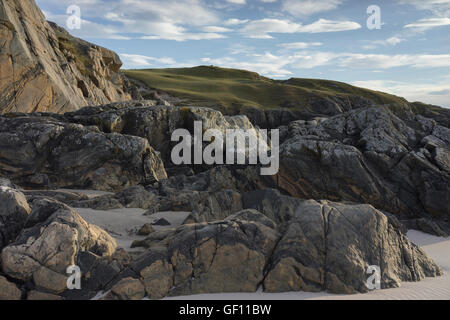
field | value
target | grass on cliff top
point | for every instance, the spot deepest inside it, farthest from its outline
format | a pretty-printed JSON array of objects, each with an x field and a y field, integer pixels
[{"x": 209, "y": 85}]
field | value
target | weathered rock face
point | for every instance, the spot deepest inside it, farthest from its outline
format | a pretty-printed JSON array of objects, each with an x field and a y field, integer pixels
[
  {"x": 42, "y": 152},
  {"x": 45, "y": 243},
  {"x": 370, "y": 156},
  {"x": 329, "y": 246},
  {"x": 201, "y": 258},
  {"x": 281, "y": 242},
  {"x": 43, "y": 68},
  {"x": 303, "y": 246},
  {"x": 128, "y": 289},
  {"x": 52, "y": 239},
  {"x": 156, "y": 123},
  {"x": 367, "y": 155}
]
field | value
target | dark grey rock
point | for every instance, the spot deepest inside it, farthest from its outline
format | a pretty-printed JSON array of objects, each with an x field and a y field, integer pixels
[
  {"x": 161, "y": 222},
  {"x": 42, "y": 152}
]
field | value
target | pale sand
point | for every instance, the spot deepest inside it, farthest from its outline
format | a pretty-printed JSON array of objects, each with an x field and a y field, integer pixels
[{"x": 122, "y": 224}]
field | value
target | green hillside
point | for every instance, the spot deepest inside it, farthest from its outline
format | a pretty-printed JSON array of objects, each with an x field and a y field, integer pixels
[{"x": 208, "y": 85}]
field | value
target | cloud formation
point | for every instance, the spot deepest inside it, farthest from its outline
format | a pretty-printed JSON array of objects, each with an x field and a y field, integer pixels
[
  {"x": 301, "y": 8},
  {"x": 262, "y": 29}
]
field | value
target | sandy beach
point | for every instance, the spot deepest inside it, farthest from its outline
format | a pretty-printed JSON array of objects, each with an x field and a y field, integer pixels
[{"x": 123, "y": 224}]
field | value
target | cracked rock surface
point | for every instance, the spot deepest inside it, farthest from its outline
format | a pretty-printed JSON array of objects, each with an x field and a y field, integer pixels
[
  {"x": 315, "y": 246},
  {"x": 42, "y": 152},
  {"x": 44, "y": 68}
]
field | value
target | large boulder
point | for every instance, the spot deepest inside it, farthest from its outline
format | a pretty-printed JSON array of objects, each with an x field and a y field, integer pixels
[
  {"x": 201, "y": 258},
  {"x": 53, "y": 239},
  {"x": 42, "y": 152},
  {"x": 44, "y": 68},
  {"x": 329, "y": 247},
  {"x": 128, "y": 289}
]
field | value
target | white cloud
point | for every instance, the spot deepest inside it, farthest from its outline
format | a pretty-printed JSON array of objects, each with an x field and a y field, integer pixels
[
  {"x": 138, "y": 61},
  {"x": 183, "y": 36},
  {"x": 215, "y": 29},
  {"x": 234, "y": 21},
  {"x": 300, "y": 8},
  {"x": 307, "y": 60},
  {"x": 432, "y": 5},
  {"x": 270, "y": 64},
  {"x": 429, "y": 23},
  {"x": 392, "y": 41},
  {"x": 238, "y": 48},
  {"x": 263, "y": 28},
  {"x": 88, "y": 29},
  {"x": 300, "y": 45},
  {"x": 323, "y": 25},
  {"x": 171, "y": 20},
  {"x": 435, "y": 93},
  {"x": 237, "y": 1},
  {"x": 380, "y": 61},
  {"x": 440, "y": 10}
]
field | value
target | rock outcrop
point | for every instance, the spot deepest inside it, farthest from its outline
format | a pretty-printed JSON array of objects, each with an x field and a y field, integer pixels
[
  {"x": 156, "y": 123},
  {"x": 353, "y": 178},
  {"x": 42, "y": 152},
  {"x": 44, "y": 68},
  {"x": 367, "y": 155},
  {"x": 282, "y": 243},
  {"x": 53, "y": 238},
  {"x": 310, "y": 246},
  {"x": 370, "y": 156}
]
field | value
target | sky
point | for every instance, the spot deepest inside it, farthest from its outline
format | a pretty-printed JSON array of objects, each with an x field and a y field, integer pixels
[{"x": 396, "y": 46}]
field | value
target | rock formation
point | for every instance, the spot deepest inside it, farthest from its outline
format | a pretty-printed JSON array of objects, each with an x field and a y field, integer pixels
[
  {"x": 370, "y": 156},
  {"x": 351, "y": 182},
  {"x": 44, "y": 68},
  {"x": 316, "y": 246},
  {"x": 42, "y": 152}
]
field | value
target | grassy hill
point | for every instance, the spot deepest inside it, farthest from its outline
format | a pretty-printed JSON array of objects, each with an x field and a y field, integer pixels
[{"x": 208, "y": 85}]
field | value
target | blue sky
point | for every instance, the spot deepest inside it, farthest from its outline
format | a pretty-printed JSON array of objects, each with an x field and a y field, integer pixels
[{"x": 328, "y": 39}]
